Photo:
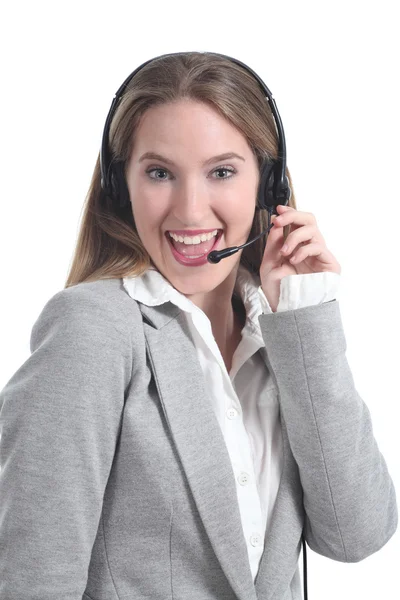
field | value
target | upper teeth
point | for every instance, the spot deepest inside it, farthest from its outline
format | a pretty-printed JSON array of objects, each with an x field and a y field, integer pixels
[{"x": 196, "y": 239}]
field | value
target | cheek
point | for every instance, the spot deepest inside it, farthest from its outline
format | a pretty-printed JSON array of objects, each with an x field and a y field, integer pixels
[
  {"x": 149, "y": 224},
  {"x": 147, "y": 211},
  {"x": 144, "y": 198},
  {"x": 241, "y": 209}
]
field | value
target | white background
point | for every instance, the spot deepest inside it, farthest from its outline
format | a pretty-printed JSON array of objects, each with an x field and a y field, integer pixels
[{"x": 333, "y": 69}]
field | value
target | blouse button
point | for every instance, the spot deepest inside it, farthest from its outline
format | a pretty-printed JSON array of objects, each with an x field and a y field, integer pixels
[
  {"x": 232, "y": 413},
  {"x": 255, "y": 539},
  {"x": 243, "y": 478}
]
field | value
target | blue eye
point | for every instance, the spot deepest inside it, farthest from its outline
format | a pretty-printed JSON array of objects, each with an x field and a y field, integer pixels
[{"x": 226, "y": 169}]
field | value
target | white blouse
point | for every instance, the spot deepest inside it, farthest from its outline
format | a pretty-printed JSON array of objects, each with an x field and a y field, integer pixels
[{"x": 245, "y": 400}]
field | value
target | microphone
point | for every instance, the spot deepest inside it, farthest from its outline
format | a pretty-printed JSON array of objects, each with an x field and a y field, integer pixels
[{"x": 216, "y": 255}]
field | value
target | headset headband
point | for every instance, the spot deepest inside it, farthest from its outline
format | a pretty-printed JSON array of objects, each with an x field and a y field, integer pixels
[{"x": 282, "y": 190}]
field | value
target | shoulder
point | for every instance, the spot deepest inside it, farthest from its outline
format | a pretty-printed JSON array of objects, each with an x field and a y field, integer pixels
[
  {"x": 106, "y": 296},
  {"x": 98, "y": 309}
]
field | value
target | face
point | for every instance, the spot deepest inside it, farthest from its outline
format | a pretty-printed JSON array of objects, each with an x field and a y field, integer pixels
[{"x": 188, "y": 189}]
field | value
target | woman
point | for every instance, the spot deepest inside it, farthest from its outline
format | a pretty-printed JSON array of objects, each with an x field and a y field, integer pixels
[{"x": 179, "y": 424}]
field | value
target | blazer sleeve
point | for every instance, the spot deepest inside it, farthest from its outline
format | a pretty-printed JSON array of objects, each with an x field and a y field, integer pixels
[
  {"x": 348, "y": 494},
  {"x": 60, "y": 416}
]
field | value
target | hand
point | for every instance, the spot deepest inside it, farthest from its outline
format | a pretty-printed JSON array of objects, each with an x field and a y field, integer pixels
[{"x": 305, "y": 244}]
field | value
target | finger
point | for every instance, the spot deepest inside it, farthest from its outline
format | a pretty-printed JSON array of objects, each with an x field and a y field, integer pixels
[
  {"x": 296, "y": 217},
  {"x": 275, "y": 240},
  {"x": 281, "y": 233},
  {"x": 315, "y": 249},
  {"x": 276, "y": 233},
  {"x": 281, "y": 208},
  {"x": 306, "y": 233}
]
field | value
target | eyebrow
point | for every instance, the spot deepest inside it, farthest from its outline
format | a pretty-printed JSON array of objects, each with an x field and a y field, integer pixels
[{"x": 213, "y": 159}]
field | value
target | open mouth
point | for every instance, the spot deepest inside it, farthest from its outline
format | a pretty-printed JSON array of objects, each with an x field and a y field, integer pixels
[
  {"x": 198, "y": 255},
  {"x": 195, "y": 249}
]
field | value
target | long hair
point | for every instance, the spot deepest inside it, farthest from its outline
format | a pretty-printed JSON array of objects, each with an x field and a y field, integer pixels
[{"x": 108, "y": 244}]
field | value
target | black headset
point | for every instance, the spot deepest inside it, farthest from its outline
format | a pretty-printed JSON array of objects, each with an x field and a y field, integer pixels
[{"x": 273, "y": 188}]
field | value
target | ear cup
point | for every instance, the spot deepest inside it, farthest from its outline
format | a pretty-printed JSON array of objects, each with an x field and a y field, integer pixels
[
  {"x": 265, "y": 195},
  {"x": 119, "y": 188}
]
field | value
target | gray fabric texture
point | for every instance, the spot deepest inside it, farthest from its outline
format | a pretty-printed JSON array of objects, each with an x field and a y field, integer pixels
[{"x": 115, "y": 479}]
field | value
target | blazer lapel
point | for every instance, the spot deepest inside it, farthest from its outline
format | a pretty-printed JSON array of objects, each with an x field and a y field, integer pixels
[
  {"x": 198, "y": 439},
  {"x": 202, "y": 450}
]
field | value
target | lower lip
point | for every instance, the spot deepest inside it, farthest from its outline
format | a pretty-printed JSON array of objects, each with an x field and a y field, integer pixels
[{"x": 193, "y": 262}]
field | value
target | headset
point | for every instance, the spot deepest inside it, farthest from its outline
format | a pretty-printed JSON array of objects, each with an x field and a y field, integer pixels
[{"x": 273, "y": 187}]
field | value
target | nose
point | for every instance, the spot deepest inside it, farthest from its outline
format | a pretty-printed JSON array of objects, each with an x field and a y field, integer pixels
[{"x": 191, "y": 204}]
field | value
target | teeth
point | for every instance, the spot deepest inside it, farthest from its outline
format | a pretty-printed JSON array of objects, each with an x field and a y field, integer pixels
[{"x": 194, "y": 239}]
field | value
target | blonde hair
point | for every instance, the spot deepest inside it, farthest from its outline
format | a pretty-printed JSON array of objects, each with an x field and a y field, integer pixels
[{"x": 108, "y": 245}]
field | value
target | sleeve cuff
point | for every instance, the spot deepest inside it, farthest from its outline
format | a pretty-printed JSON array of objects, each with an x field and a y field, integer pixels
[{"x": 300, "y": 290}]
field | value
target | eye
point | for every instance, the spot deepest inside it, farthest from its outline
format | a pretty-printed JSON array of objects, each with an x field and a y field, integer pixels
[
  {"x": 227, "y": 170},
  {"x": 218, "y": 169},
  {"x": 151, "y": 170}
]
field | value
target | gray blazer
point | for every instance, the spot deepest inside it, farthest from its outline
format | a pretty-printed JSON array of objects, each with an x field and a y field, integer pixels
[{"x": 116, "y": 483}]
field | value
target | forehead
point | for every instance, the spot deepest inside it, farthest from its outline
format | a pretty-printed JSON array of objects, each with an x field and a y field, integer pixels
[{"x": 190, "y": 125}]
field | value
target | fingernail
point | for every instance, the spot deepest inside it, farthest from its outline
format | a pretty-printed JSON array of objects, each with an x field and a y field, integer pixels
[{"x": 285, "y": 248}]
